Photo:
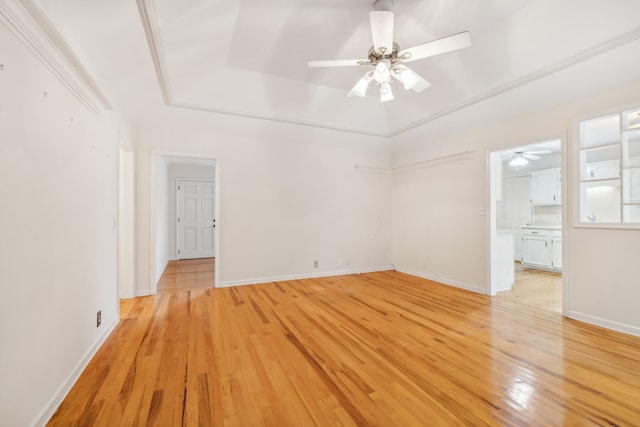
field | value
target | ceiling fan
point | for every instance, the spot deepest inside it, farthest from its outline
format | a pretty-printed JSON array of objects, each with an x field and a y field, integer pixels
[
  {"x": 387, "y": 59},
  {"x": 522, "y": 157}
]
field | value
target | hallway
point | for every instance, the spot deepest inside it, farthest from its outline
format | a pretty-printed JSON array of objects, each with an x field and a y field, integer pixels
[{"x": 188, "y": 274}]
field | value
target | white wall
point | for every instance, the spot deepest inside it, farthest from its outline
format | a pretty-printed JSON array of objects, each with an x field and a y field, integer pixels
[
  {"x": 127, "y": 226},
  {"x": 161, "y": 216},
  {"x": 437, "y": 228},
  {"x": 58, "y": 244},
  {"x": 289, "y": 195},
  {"x": 438, "y": 231}
]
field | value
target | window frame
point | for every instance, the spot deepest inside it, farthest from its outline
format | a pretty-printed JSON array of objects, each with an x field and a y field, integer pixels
[{"x": 578, "y": 196}]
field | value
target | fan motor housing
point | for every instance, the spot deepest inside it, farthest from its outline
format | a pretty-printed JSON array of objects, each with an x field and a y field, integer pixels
[{"x": 374, "y": 56}]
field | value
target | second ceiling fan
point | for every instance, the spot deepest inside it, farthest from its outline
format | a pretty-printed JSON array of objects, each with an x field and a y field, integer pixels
[
  {"x": 521, "y": 157},
  {"x": 387, "y": 59}
]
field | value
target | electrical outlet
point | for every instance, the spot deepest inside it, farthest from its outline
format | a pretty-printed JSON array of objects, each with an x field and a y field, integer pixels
[
  {"x": 98, "y": 318},
  {"x": 339, "y": 262},
  {"x": 315, "y": 264},
  {"x": 348, "y": 262}
]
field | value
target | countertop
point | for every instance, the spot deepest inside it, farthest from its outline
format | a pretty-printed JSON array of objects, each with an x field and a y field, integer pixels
[{"x": 543, "y": 227}]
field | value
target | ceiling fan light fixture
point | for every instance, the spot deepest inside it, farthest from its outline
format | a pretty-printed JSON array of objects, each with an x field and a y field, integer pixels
[
  {"x": 382, "y": 5},
  {"x": 360, "y": 89},
  {"x": 386, "y": 94},
  {"x": 409, "y": 79},
  {"x": 382, "y": 72},
  {"x": 518, "y": 161},
  {"x": 385, "y": 55}
]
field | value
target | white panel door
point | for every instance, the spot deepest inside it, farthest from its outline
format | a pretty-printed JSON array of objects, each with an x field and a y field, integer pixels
[{"x": 196, "y": 222}]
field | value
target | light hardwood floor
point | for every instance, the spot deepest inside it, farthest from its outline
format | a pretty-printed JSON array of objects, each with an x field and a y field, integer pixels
[
  {"x": 536, "y": 288},
  {"x": 383, "y": 349},
  {"x": 188, "y": 274}
]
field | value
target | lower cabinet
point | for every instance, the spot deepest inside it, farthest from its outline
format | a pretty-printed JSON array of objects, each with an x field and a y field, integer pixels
[{"x": 542, "y": 248}]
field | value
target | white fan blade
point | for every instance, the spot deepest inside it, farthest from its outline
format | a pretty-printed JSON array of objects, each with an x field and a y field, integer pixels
[
  {"x": 360, "y": 88},
  {"x": 539, "y": 152},
  {"x": 338, "y": 63},
  {"x": 530, "y": 156},
  {"x": 436, "y": 47},
  {"x": 382, "y": 30},
  {"x": 410, "y": 79}
]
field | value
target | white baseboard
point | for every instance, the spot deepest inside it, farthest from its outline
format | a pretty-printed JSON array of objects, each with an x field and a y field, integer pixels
[
  {"x": 605, "y": 323},
  {"x": 62, "y": 392},
  {"x": 257, "y": 280},
  {"x": 467, "y": 286}
]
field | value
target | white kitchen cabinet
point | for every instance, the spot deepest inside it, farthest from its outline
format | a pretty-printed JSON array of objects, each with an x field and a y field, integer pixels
[
  {"x": 535, "y": 250},
  {"x": 542, "y": 248},
  {"x": 544, "y": 186}
]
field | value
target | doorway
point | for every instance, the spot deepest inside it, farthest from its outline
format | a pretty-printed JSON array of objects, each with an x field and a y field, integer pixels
[
  {"x": 188, "y": 274},
  {"x": 198, "y": 178},
  {"x": 526, "y": 224}
]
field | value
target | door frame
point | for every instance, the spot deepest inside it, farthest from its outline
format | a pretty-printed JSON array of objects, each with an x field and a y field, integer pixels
[
  {"x": 177, "y": 224},
  {"x": 491, "y": 218},
  {"x": 156, "y": 156}
]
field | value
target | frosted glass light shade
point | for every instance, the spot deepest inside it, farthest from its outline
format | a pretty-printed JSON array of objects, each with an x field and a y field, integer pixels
[
  {"x": 360, "y": 88},
  {"x": 382, "y": 73},
  {"x": 518, "y": 161}
]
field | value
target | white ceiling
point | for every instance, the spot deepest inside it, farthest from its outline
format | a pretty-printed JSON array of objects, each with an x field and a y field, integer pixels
[{"x": 248, "y": 57}]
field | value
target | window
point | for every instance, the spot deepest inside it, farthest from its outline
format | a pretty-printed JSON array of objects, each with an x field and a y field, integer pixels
[{"x": 609, "y": 148}]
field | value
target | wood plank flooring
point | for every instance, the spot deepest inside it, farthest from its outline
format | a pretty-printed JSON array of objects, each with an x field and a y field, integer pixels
[
  {"x": 188, "y": 274},
  {"x": 536, "y": 288},
  {"x": 383, "y": 349}
]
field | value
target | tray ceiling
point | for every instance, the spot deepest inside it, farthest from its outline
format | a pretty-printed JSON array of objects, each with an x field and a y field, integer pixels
[{"x": 249, "y": 57}]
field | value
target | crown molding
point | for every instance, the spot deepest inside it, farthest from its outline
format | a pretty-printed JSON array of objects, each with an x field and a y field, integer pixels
[
  {"x": 154, "y": 40},
  {"x": 150, "y": 24},
  {"x": 274, "y": 118},
  {"x": 151, "y": 31},
  {"x": 29, "y": 24},
  {"x": 592, "y": 52}
]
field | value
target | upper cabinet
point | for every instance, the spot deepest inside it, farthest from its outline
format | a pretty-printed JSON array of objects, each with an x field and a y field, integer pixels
[
  {"x": 609, "y": 148},
  {"x": 544, "y": 186}
]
